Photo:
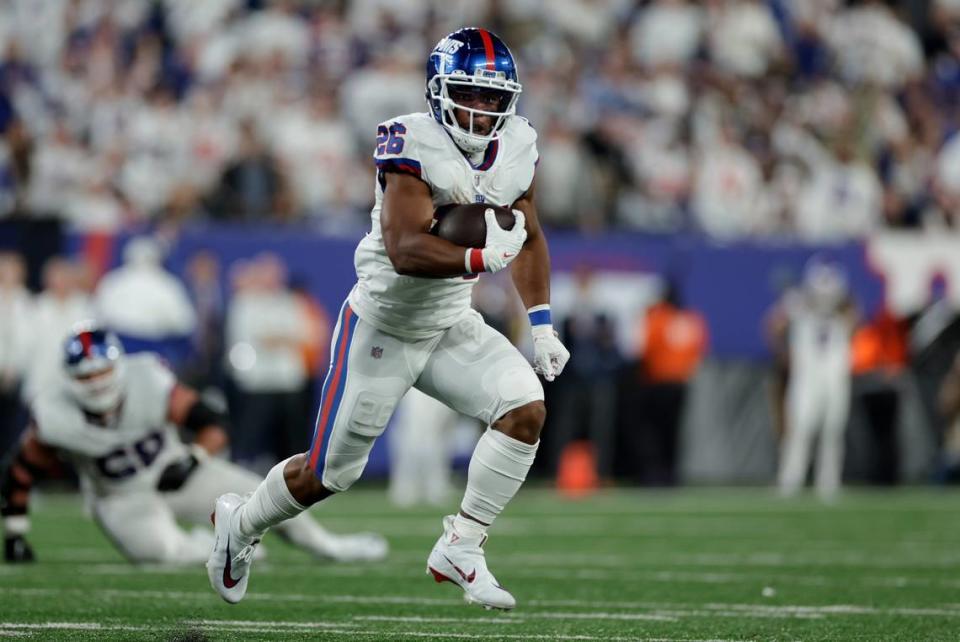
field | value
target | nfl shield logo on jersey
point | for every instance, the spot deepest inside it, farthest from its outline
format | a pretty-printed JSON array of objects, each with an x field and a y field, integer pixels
[{"x": 376, "y": 352}]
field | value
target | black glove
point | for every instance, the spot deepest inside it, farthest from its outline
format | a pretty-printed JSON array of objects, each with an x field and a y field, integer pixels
[
  {"x": 17, "y": 550},
  {"x": 176, "y": 474}
]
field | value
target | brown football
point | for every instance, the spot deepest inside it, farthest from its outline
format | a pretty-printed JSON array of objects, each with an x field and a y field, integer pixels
[{"x": 465, "y": 224}]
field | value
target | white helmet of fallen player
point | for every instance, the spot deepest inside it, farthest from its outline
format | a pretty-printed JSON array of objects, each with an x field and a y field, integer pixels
[
  {"x": 471, "y": 71},
  {"x": 93, "y": 360}
]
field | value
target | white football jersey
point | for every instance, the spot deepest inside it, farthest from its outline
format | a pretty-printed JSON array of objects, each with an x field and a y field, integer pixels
[
  {"x": 819, "y": 342},
  {"x": 415, "y": 307},
  {"x": 128, "y": 454}
]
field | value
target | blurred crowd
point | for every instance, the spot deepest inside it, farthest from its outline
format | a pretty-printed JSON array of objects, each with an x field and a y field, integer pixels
[{"x": 740, "y": 118}]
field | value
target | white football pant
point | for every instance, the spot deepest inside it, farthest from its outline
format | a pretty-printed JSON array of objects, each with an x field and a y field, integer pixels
[{"x": 143, "y": 525}]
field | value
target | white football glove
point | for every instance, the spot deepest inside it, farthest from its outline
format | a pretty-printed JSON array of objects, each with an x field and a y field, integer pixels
[
  {"x": 549, "y": 354},
  {"x": 501, "y": 247}
]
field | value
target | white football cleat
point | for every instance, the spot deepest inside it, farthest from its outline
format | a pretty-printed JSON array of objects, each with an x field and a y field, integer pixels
[
  {"x": 358, "y": 547},
  {"x": 460, "y": 560},
  {"x": 229, "y": 564}
]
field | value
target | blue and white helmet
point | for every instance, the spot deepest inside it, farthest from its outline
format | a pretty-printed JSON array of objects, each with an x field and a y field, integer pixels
[
  {"x": 93, "y": 361},
  {"x": 470, "y": 60}
]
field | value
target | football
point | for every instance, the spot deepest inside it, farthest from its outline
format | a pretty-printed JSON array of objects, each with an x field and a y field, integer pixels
[{"x": 465, "y": 224}]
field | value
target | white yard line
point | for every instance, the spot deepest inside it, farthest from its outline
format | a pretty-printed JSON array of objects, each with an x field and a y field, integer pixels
[
  {"x": 581, "y": 574},
  {"x": 269, "y": 624},
  {"x": 439, "y": 620},
  {"x": 72, "y": 626},
  {"x": 649, "y": 610},
  {"x": 529, "y": 615},
  {"x": 322, "y": 628}
]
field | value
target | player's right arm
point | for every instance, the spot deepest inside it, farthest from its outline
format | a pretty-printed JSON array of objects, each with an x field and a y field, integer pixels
[
  {"x": 32, "y": 459},
  {"x": 405, "y": 218}
]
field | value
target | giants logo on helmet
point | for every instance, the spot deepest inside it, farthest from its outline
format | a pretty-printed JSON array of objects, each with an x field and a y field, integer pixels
[{"x": 448, "y": 46}]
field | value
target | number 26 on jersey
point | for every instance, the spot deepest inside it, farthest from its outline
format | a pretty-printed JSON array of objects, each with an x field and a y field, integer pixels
[{"x": 390, "y": 140}]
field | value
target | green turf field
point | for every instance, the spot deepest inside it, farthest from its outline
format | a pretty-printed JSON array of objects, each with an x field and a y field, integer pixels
[{"x": 705, "y": 564}]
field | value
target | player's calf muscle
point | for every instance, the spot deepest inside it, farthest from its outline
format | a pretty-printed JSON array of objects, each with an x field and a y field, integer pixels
[{"x": 523, "y": 423}]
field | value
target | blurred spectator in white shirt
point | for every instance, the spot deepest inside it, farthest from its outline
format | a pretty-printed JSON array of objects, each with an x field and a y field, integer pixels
[
  {"x": 156, "y": 141},
  {"x": 668, "y": 32},
  {"x": 392, "y": 84},
  {"x": 59, "y": 168},
  {"x": 275, "y": 31},
  {"x": 211, "y": 137},
  {"x": 743, "y": 37},
  {"x": 188, "y": 18},
  {"x": 841, "y": 197},
  {"x": 147, "y": 305},
  {"x": 562, "y": 182},
  {"x": 592, "y": 22},
  {"x": 60, "y": 305},
  {"x": 266, "y": 327},
  {"x": 318, "y": 150},
  {"x": 872, "y": 45},
  {"x": 727, "y": 188}
]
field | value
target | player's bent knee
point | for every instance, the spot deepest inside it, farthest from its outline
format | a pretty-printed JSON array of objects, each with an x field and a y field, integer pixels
[
  {"x": 350, "y": 447},
  {"x": 524, "y": 423}
]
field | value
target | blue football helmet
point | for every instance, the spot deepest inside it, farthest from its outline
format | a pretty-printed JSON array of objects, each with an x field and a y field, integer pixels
[
  {"x": 471, "y": 61},
  {"x": 93, "y": 361}
]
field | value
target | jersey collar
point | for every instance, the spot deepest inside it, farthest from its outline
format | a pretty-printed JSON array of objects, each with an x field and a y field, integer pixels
[{"x": 489, "y": 155}]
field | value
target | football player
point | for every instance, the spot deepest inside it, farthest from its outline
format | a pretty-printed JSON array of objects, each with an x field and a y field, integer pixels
[
  {"x": 816, "y": 323},
  {"x": 117, "y": 418},
  {"x": 408, "y": 322}
]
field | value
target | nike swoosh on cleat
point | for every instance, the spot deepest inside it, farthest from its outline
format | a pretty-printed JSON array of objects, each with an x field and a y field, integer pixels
[
  {"x": 228, "y": 581},
  {"x": 507, "y": 255},
  {"x": 467, "y": 578}
]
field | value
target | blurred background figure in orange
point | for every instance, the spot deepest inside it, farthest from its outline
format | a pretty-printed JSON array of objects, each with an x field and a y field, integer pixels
[
  {"x": 879, "y": 357},
  {"x": 671, "y": 342}
]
